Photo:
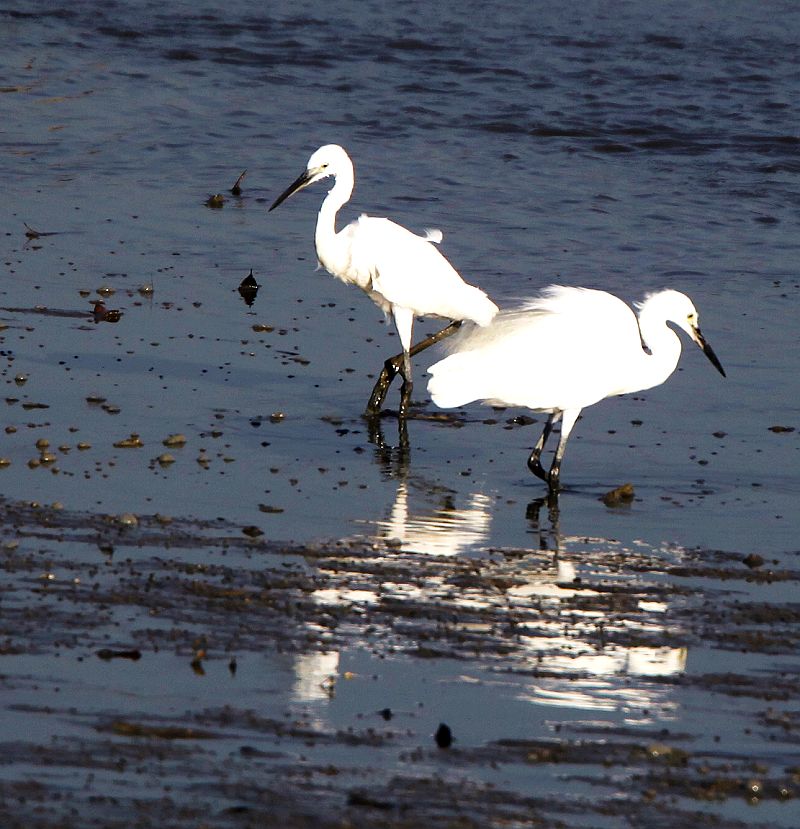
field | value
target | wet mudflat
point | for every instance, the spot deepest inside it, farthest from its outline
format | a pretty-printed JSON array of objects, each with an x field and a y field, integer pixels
[
  {"x": 185, "y": 673},
  {"x": 229, "y": 600}
]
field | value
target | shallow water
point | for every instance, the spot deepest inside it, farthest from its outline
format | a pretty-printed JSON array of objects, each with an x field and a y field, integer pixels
[{"x": 626, "y": 150}]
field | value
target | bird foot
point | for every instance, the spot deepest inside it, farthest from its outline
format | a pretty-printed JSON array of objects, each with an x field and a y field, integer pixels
[
  {"x": 405, "y": 399},
  {"x": 553, "y": 484},
  {"x": 535, "y": 466},
  {"x": 391, "y": 368}
]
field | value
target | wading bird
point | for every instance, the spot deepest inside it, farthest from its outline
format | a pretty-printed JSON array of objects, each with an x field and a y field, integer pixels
[
  {"x": 564, "y": 350},
  {"x": 402, "y": 273}
]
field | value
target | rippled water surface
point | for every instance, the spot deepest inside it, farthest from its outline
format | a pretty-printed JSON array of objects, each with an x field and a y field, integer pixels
[{"x": 627, "y": 147}]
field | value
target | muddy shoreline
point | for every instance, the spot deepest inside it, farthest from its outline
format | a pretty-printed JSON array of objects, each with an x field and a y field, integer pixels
[{"x": 204, "y": 597}]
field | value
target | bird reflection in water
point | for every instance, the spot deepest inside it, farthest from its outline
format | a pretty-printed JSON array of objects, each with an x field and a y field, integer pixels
[
  {"x": 584, "y": 652},
  {"x": 393, "y": 460},
  {"x": 315, "y": 676},
  {"x": 575, "y": 664},
  {"x": 443, "y": 531},
  {"x": 586, "y": 630}
]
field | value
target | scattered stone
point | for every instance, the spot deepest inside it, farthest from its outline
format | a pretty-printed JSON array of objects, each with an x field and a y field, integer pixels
[
  {"x": 620, "y": 496},
  {"x": 667, "y": 754},
  {"x": 753, "y": 560},
  {"x": 132, "y": 442}
]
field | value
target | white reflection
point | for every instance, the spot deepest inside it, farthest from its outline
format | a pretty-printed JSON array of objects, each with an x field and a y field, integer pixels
[
  {"x": 574, "y": 646},
  {"x": 445, "y": 531},
  {"x": 578, "y": 667},
  {"x": 314, "y": 675},
  {"x": 602, "y": 681}
]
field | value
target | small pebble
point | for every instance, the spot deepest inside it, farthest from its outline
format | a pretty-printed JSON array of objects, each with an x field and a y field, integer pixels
[
  {"x": 621, "y": 495},
  {"x": 132, "y": 442},
  {"x": 753, "y": 560}
]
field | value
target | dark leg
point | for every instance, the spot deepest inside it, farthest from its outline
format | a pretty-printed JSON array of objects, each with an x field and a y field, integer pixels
[
  {"x": 406, "y": 388},
  {"x": 534, "y": 461},
  {"x": 395, "y": 365},
  {"x": 553, "y": 477},
  {"x": 390, "y": 370}
]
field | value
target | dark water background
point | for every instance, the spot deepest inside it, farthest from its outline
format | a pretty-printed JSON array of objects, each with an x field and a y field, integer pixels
[{"x": 624, "y": 146}]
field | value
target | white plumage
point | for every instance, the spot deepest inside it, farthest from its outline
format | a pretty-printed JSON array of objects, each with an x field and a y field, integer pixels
[
  {"x": 562, "y": 351},
  {"x": 401, "y": 272}
]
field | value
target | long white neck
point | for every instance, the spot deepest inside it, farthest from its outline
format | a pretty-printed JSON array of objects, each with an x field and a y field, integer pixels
[
  {"x": 664, "y": 345},
  {"x": 328, "y": 251}
]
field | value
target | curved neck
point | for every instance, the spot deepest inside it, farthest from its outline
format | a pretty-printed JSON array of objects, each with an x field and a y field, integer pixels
[
  {"x": 664, "y": 345},
  {"x": 338, "y": 195}
]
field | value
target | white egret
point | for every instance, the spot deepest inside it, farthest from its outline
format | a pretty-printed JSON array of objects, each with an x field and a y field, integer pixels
[
  {"x": 402, "y": 273},
  {"x": 566, "y": 349}
]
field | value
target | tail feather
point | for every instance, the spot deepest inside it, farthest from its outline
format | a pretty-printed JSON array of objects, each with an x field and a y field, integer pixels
[
  {"x": 433, "y": 234},
  {"x": 482, "y": 310}
]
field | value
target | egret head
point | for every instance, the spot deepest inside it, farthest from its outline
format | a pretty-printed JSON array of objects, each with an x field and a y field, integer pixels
[
  {"x": 328, "y": 160},
  {"x": 678, "y": 308}
]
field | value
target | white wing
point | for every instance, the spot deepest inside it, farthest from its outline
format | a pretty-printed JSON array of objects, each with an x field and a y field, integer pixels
[
  {"x": 409, "y": 272},
  {"x": 562, "y": 350}
]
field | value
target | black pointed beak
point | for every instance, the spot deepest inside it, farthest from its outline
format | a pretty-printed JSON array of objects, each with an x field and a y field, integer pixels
[
  {"x": 302, "y": 181},
  {"x": 708, "y": 351}
]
